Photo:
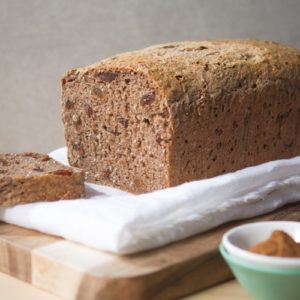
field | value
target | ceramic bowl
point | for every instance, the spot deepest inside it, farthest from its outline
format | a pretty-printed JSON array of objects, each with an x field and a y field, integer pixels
[
  {"x": 263, "y": 277},
  {"x": 237, "y": 240}
]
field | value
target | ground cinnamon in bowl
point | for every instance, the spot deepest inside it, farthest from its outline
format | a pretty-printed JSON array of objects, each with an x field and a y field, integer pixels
[{"x": 278, "y": 244}]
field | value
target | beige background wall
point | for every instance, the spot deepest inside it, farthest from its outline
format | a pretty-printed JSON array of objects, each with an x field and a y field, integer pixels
[{"x": 40, "y": 40}]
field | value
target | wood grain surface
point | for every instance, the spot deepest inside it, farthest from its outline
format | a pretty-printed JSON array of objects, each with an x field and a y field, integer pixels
[
  {"x": 15, "y": 289},
  {"x": 73, "y": 271}
]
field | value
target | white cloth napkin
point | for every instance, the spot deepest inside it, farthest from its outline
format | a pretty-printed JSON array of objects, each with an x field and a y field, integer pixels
[{"x": 119, "y": 222}]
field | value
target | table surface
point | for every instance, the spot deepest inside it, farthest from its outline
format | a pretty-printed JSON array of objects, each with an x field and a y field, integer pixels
[{"x": 12, "y": 288}]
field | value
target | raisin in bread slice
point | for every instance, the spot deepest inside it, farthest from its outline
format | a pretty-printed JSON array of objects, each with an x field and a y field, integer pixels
[{"x": 31, "y": 177}]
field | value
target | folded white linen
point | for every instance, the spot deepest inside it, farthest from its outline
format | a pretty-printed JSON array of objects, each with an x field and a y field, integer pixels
[{"x": 119, "y": 222}]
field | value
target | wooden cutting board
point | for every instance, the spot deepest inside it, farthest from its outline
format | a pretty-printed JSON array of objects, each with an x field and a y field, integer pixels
[{"x": 73, "y": 271}]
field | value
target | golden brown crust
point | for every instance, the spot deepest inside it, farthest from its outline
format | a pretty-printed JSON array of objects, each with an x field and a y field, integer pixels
[
  {"x": 30, "y": 177},
  {"x": 178, "y": 67}
]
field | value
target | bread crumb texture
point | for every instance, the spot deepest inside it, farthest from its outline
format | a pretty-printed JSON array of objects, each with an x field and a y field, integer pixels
[{"x": 31, "y": 177}]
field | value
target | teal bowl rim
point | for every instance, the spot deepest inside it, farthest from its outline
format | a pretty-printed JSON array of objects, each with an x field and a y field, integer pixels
[{"x": 256, "y": 267}]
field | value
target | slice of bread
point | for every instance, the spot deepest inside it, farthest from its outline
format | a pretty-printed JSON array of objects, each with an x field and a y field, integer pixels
[{"x": 31, "y": 177}]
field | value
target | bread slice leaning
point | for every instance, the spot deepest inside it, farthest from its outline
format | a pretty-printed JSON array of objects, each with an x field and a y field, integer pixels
[{"x": 31, "y": 177}]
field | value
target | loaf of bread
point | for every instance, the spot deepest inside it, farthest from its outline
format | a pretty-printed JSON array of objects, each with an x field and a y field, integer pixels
[
  {"x": 30, "y": 177},
  {"x": 177, "y": 112}
]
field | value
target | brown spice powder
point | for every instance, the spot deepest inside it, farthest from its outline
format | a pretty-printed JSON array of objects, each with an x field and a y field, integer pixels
[{"x": 278, "y": 244}]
